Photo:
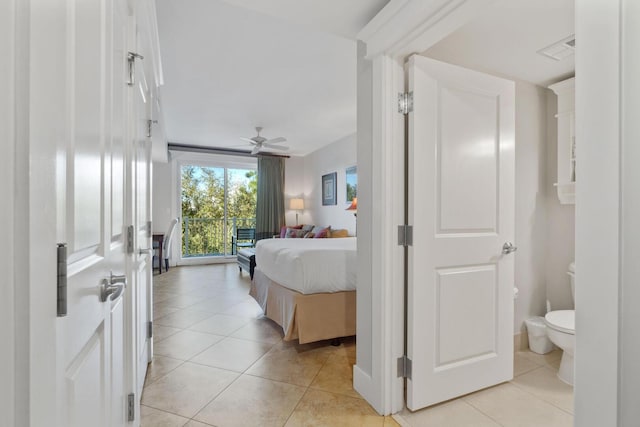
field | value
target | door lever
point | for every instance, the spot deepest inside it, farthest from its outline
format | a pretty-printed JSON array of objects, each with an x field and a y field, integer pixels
[
  {"x": 115, "y": 278},
  {"x": 508, "y": 247},
  {"x": 147, "y": 251},
  {"x": 107, "y": 290}
]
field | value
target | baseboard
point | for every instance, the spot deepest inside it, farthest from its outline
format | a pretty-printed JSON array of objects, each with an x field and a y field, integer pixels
[{"x": 363, "y": 384}]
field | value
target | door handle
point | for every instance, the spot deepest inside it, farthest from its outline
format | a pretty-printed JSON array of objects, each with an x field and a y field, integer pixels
[
  {"x": 147, "y": 251},
  {"x": 107, "y": 290},
  {"x": 508, "y": 247}
]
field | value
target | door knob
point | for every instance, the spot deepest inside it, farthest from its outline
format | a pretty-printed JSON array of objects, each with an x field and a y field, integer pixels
[
  {"x": 508, "y": 247},
  {"x": 108, "y": 290}
]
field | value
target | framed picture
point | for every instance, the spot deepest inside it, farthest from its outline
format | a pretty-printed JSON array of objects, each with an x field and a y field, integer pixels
[
  {"x": 352, "y": 183},
  {"x": 329, "y": 189}
]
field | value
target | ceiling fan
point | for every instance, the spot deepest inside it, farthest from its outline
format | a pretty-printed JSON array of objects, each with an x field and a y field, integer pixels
[{"x": 261, "y": 143}]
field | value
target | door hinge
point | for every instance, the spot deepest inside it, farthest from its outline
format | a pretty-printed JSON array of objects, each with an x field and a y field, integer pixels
[
  {"x": 131, "y": 407},
  {"x": 405, "y": 235},
  {"x": 131, "y": 60},
  {"x": 62, "y": 279},
  {"x": 149, "y": 127},
  {"x": 149, "y": 229},
  {"x": 405, "y": 102},
  {"x": 150, "y": 330},
  {"x": 130, "y": 230},
  {"x": 404, "y": 367}
]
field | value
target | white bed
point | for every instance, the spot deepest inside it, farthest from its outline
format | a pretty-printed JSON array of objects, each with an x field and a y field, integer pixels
[
  {"x": 307, "y": 286},
  {"x": 309, "y": 266}
]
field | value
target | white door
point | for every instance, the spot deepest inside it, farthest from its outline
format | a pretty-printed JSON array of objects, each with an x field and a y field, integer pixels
[
  {"x": 90, "y": 340},
  {"x": 461, "y": 206}
]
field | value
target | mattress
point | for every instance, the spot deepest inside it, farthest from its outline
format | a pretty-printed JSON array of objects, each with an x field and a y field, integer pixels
[{"x": 309, "y": 266}]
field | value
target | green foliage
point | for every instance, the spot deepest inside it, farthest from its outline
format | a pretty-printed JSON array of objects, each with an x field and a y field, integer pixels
[
  {"x": 203, "y": 206},
  {"x": 352, "y": 191}
]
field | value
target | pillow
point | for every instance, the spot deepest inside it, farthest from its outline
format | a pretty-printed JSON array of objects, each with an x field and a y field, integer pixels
[
  {"x": 307, "y": 227},
  {"x": 321, "y": 233},
  {"x": 309, "y": 235},
  {"x": 283, "y": 230},
  {"x": 294, "y": 233},
  {"x": 339, "y": 233}
]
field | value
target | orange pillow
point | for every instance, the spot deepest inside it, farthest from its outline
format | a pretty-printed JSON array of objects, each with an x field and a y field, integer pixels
[{"x": 339, "y": 233}]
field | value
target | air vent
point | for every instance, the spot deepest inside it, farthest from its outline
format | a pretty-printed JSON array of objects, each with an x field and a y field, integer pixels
[{"x": 561, "y": 49}]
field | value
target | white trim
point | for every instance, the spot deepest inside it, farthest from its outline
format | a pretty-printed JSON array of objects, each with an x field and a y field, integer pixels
[
  {"x": 404, "y": 27},
  {"x": 7, "y": 216},
  {"x": 401, "y": 28}
]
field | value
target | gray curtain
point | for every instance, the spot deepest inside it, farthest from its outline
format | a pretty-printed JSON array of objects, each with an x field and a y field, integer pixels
[{"x": 270, "y": 203}]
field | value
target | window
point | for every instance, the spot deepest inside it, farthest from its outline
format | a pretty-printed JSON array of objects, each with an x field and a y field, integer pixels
[{"x": 215, "y": 200}]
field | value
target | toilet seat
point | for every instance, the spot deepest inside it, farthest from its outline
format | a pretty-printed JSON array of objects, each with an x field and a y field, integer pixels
[{"x": 562, "y": 320}]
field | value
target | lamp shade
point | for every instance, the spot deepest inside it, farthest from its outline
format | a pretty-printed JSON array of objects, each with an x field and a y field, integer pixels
[
  {"x": 296, "y": 204},
  {"x": 354, "y": 205}
]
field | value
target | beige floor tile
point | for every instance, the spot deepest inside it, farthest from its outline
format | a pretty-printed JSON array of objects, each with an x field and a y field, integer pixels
[
  {"x": 159, "y": 367},
  {"x": 336, "y": 376},
  {"x": 161, "y": 310},
  {"x": 549, "y": 359},
  {"x": 390, "y": 422},
  {"x": 512, "y": 406},
  {"x": 545, "y": 384},
  {"x": 247, "y": 308},
  {"x": 150, "y": 417},
  {"x": 319, "y": 408},
  {"x": 262, "y": 330},
  {"x": 182, "y": 318},
  {"x": 187, "y": 389},
  {"x": 456, "y": 413},
  {"x": 233, "y": 354},
  {"x": 185, "y": 344},
  {"x": 194, "y": 423},
  {"x": 522, "y": 365},
  {"x": 291, "y": 364},
  {"x": 252, "y": 401},
  {"x": 220, "y": 324},
  {"x": 161, "y": 332},
  {"x": 183, "y": 300},
  {"x": 215, "y": 304}
]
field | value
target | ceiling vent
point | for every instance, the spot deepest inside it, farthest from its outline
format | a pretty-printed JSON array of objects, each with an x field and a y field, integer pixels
[{"x": 561, "y": 49}]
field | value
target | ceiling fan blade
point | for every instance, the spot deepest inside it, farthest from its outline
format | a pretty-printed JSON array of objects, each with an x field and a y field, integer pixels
[
  {"x": 248, "y": 140},
  {"x": 276, "y": 140},
  {"x": 275, "y": 147},
  {"x": 256, "y": 149}
]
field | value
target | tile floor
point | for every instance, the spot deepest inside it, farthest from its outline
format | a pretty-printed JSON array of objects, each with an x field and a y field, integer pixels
[{"x": 218, "y": 362}]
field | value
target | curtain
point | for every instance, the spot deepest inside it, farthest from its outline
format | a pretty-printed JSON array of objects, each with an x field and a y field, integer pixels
[{"x": 270, "y": 203}]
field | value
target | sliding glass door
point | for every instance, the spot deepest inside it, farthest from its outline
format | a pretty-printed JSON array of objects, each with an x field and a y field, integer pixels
[{"x": 216, "y": 200}]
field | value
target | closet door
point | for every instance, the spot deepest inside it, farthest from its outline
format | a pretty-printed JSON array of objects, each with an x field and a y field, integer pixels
[{"x": 461, "y": 206}]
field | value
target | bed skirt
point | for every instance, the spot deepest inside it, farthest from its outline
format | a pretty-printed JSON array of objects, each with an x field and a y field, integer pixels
[{"x": 308, "y": 318}]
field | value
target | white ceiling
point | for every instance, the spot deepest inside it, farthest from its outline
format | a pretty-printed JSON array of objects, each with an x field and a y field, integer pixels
[
  {"x": 286, "y": 65},
  {"x": 505, "y": 39}
]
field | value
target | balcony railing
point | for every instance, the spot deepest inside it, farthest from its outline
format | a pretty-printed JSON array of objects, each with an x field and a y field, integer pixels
[{"x": 210, "y": 236}]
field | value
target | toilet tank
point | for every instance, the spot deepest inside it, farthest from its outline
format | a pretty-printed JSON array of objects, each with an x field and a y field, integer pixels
[{"x": 572, "y": 278}]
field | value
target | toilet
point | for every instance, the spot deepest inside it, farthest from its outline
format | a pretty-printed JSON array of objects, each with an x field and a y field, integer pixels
[{"x": 561, "y": 329}]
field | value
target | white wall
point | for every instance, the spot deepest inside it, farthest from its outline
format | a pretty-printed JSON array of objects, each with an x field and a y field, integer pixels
[
  {"x": 335, "y": 157},
  {"x": 531, "y": 215},
  {"x": 163, "y": 197},
  {"x": 560, "y": 235}
]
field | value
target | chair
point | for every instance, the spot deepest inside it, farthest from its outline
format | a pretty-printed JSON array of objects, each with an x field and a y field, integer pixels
[
  {"x": 244, "y": 238},
  {"x": 166, "y": 245}
]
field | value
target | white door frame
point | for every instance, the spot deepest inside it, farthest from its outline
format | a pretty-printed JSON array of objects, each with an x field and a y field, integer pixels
[
  {"x": 8, "y": 145},
  {"x": 608, "y": 104},
  {"x": 400, "y": 29},
  {"x": 607, "y": 211}
]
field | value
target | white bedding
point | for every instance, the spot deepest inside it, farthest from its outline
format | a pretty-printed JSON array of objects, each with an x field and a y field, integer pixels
[{"x": 309, "y": 266}]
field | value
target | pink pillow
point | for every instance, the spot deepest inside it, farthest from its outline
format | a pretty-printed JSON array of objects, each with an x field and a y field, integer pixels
[
  {"x": 283, "y": 230},
  {"x": 322, "y": 233},
  {"x": 294, "y": 233}
]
